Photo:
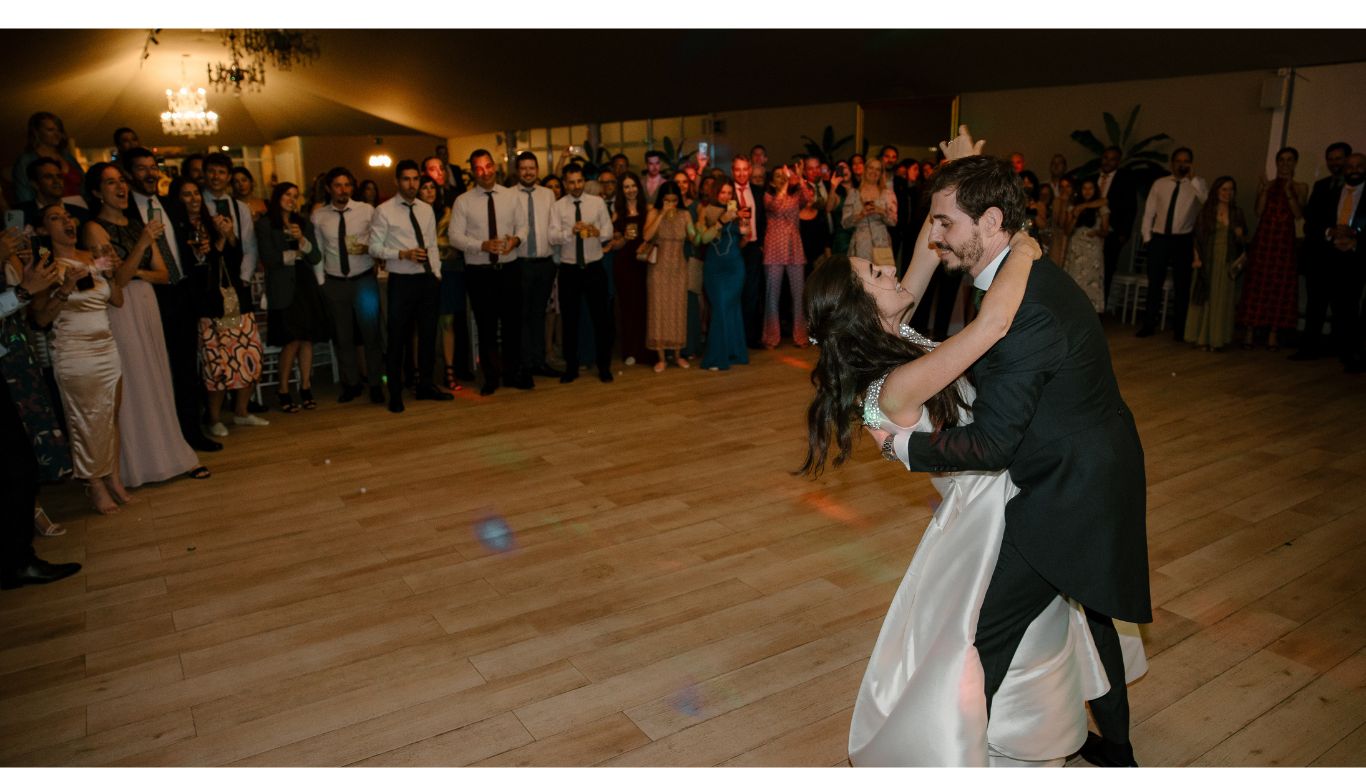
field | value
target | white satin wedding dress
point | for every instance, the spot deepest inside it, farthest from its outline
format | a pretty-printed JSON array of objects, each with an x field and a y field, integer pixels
[{"x": 922, "y": 700}]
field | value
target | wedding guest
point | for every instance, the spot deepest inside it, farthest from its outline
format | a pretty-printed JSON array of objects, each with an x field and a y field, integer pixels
[
  {"x": 869, "y": 213},
  {"x": 1057, "y": 168},
  {"x": 318, "y": 195},
  {"x": 814, "y": 217},
  {"x": 753, "y": 227},
  {"x": 579, "y": 228},
  {"x": 486, "y": 223},
  {"x": 192, "y": 167},
  {"x": 349, "y": 283},
  {"x": 620, "y": 165},
  {"x": 841, "y": 183},
  {"x": 239, "y": 249},
  {"x": 177, "y": 298},
  {"x": 368, "y": 193},
  {"x": 47, "y": 138},
  {"x": 1087, "y": 225},
  {"x": 125, "y": 138},
  {"x": 1344, "y": 233},
  {"x": 1271, "y": 290},
  {"x": 696, "y": 301},
  {"x": 856, "y": 166},
  {"x": 1168, "y": 221},
  {"x": 758, "y": 160},
  {"x": 243, "y": 191},
  {"x": 537, "y": 263},
  {"x": 1017, "y": 162},
  {"x": 1320, "y": 214},
  {"x": 724, "y": 276},
  {"x": 151, "y": 445},
  {"x": 654, "y": 176},
  {"x": 1061, "y": 205},
  {"x": 1220, "y": 241},
  {"x": 20, "y": 470},
  {"x": 86, "y": 362},
  {"x": 554, "y": 184},
  {"x": 49, "y": 186},
  {"x": 403, "y": 233},
  {"x": 628, "y": 226},
  {"x": 666, "y": 229},
  {"x": 297, "y": 316},
  {"x": 783, "y": 255}
]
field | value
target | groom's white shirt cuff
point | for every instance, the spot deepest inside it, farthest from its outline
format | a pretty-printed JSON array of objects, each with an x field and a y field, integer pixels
[{"x": 902, "y": 442}]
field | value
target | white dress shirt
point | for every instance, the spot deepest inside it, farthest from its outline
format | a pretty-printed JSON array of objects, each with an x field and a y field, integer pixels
[
  {"x": 140, "y": 202},
  {"x": 543, "y": 200},
  {"x": 391, "y": 231},
  {"x": 246, "y": 231},
  {"x": 985, "y": 277},
  {"x": 592, "y": 210},
  {"x": 1191, "y": 193},
  {"x": 744, "y": 198},
  {"x": 469, "y": 226},
  {"x": 1103, "y": 182},
  {"x": 325, "y": 222}
]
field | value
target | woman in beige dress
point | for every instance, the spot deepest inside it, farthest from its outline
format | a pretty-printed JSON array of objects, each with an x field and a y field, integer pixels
[
  {"x": 666, "y": 280},
  {"x": 869, "y": 212},
  {"x": 86, "y": 362}
]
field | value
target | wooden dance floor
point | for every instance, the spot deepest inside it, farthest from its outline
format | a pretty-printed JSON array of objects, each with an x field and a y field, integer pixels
[{"x": 628, "y": 574}]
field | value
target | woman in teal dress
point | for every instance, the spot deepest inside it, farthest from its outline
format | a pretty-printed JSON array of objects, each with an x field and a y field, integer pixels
[{"x": 723, "y": 277}]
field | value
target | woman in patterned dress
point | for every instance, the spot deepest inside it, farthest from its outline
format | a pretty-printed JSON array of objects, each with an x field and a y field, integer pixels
[
  {"x": 1272, "y": 288},
  {"x": 1088, "y": 222},
  {"x": 783, "y": 253},
  {"x": 667, "y": 229}
]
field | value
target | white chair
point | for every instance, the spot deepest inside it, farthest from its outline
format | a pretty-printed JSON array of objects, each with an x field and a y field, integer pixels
[
  {"x": 1141, "y": 301},
  {"x": 1124, "y": 292},
  {"x": 324, "y": 355}
]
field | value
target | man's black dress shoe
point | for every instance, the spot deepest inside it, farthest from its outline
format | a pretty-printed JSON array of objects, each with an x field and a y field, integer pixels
[
  {"x": 349, "y": 392},
  {"x": 488, "y": 389},
  {"x": 377, "y": 394},
  {"x": 37, "y": 572},
  {"x": 548, "y": 372},
  {"x": 568, "y": 377},
  {"x": 1101, "y": 751},
  {"x": 523, "y": 381},
  {"x": 605, "y": 376},
  {"x": 432, "y": 393},
  {"x": 395, "y": 405}
]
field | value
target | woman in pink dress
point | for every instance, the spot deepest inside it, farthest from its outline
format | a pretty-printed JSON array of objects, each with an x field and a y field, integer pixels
[{"x": 783, "y": 254}]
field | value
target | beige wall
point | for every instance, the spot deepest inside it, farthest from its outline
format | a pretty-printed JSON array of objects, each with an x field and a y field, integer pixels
[
  {"x": 780, "y": 129},
  {"x": 1327, "y": 106},
  {"x": 1218, "y": 116}
]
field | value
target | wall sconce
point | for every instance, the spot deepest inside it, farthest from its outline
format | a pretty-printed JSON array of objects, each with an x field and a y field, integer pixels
[{"x": 381, "y": 161}]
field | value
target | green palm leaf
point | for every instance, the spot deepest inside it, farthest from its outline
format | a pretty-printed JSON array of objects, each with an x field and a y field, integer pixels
[
  {"x": 1088, "y": 140},
  {"x": 1129, "y": 127},
  {"x": 1142, "y": 145},
  {"x": 1112, "y": 129}
]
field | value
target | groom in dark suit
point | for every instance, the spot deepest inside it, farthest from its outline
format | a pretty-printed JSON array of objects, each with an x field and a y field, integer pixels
[{"x": 1049, "y": 410}]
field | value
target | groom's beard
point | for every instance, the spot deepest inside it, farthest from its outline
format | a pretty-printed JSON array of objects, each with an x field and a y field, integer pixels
[{"x": 967, "y": 256}]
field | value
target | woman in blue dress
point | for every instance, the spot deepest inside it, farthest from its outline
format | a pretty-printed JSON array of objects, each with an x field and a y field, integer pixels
[{"x": 723, "y": 276}]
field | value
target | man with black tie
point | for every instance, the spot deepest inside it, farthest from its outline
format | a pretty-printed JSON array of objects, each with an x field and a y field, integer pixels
[
  {"x": 1320, "y": 213},
  {"x": 350, "y": 286},
  {"x": 1118, "y": 187},
  {"x": 579, "y": 228},
  {"x": 753, "y": 225},
  {"x": 1168, "y": 225},
  {"x": 488, "y": 224},
  {"x": 176, "y": 300},
  {"x": 537, "y": 263},
  {"x": 400, "y": 233}
]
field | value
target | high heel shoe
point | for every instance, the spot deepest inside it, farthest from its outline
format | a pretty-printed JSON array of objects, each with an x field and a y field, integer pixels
[
  {"x": 306, "y": 400},
  {"x": 44, "y": 526}
]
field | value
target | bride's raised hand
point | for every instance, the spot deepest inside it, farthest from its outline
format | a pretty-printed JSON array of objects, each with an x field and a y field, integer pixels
[{"x": 961, "y": 146}]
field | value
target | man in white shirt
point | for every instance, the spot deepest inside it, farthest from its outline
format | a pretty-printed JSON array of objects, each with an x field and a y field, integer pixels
[
  {"x": 349, "y": 284},
  {"x": 538, "y": 266},
  {"x": 1168, "y": 225},
  {"x": 176, "y": 300},
  {"x": 487, "y": 223},
  {"x": 579, "y": 227},
  {"x": 403, "y": 233}
]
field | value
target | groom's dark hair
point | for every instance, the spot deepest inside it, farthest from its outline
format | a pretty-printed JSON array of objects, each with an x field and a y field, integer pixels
[{"x": 983, "y": 182}]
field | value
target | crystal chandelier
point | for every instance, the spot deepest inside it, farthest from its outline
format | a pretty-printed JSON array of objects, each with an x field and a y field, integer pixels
[{"x": 187, "y": 110}]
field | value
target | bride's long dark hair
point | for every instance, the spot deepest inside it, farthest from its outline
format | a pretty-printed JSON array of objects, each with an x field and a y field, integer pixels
[{"x": 854, "y": 351}]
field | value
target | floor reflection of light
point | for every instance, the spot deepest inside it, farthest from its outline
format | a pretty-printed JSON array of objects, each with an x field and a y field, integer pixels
[
  {"x": 494, "y": 534},
  {"x": 688, "y": 700},
  {"x": 822, "y": 503},
  {"x": 795, "y": 362}
]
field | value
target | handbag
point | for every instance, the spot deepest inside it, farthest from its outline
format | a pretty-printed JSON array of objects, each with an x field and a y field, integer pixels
[
  {"x": 232, "y": 311},
  {"x": 649, "y": 256}
]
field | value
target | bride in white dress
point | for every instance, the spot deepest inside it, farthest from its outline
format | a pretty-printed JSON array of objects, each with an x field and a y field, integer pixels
[{"x": 922, "y": 700}]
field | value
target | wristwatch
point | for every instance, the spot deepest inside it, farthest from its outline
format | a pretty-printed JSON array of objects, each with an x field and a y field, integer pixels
[
  {"x": 889, "y": 448},
  {"x": 21, "y": 293}
]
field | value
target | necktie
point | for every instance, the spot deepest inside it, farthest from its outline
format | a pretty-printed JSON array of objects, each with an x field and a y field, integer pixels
[
  {"x": 531, "y": 224},
  {"x": 1171, "y": 208},
  {"x": 343, "y": 252},
  {"x": 417, "y": 230},
  {"x": 578, "y": 241},
  {"x": 493, "y": 227},
  {"x": 172, "y": 269},
  {"x": 977, "y": 294},
  {"x": 1345, "y": 213}
]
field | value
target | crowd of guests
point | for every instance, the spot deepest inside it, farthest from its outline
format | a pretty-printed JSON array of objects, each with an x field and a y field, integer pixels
[{"x": 134, "y": 303}]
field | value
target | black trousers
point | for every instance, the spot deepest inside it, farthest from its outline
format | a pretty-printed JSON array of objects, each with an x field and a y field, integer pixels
[
  {"x": 1016, "y": 596},
  {"x": 18, "y": 486},
  {"x": 413, "y": 304},
  {"x": 538, "y": 278},
  {"x": 1349, "y": 279},
  {"x": 752, "y": 295},
  {"x": 1176, "y": 251},
  {"x": 496, "y": 297},
  {"x": 1317, "y": 267},
  {"x": 354, "y": 302},
  {"x": 180, "y": 326},
  {"x": 1114, "y": 243},
  {"x": 586, "y": 285},
  {"x": 942, "y": 293}
]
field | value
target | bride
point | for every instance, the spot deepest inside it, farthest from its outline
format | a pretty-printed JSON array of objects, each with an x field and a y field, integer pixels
[{"x": 922, "y": 700}]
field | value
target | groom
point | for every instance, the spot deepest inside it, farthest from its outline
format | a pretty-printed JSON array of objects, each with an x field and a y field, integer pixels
[{"x": 1049, "y": 410}]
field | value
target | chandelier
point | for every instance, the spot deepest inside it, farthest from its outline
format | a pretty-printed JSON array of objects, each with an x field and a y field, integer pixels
[
  {"x": 251, "y": 49},
  {"x": 187, "y": 110}
]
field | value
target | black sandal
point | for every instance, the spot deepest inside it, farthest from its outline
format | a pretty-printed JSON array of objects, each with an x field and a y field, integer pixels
[
  {"x": 287, "y": 403},
  {"x": 306, "y": 397},
  {"x": 199, "y": 473}
]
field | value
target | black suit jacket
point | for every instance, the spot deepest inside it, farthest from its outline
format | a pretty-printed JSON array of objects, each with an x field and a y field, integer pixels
[
  {"x": 1122, "y": 200},
  {"x": 1048, "y": 409},
  {"x": 1321, "y": 214},
  {"x": 280, "y": 279},
  {"x": 760, "y": 215}
]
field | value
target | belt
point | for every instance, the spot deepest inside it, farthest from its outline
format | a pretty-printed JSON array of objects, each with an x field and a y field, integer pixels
[
  {"x": 494, "y": 267},
  {"x": 349, "y": 278},
  {"x": 1164, "y": 234}
]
